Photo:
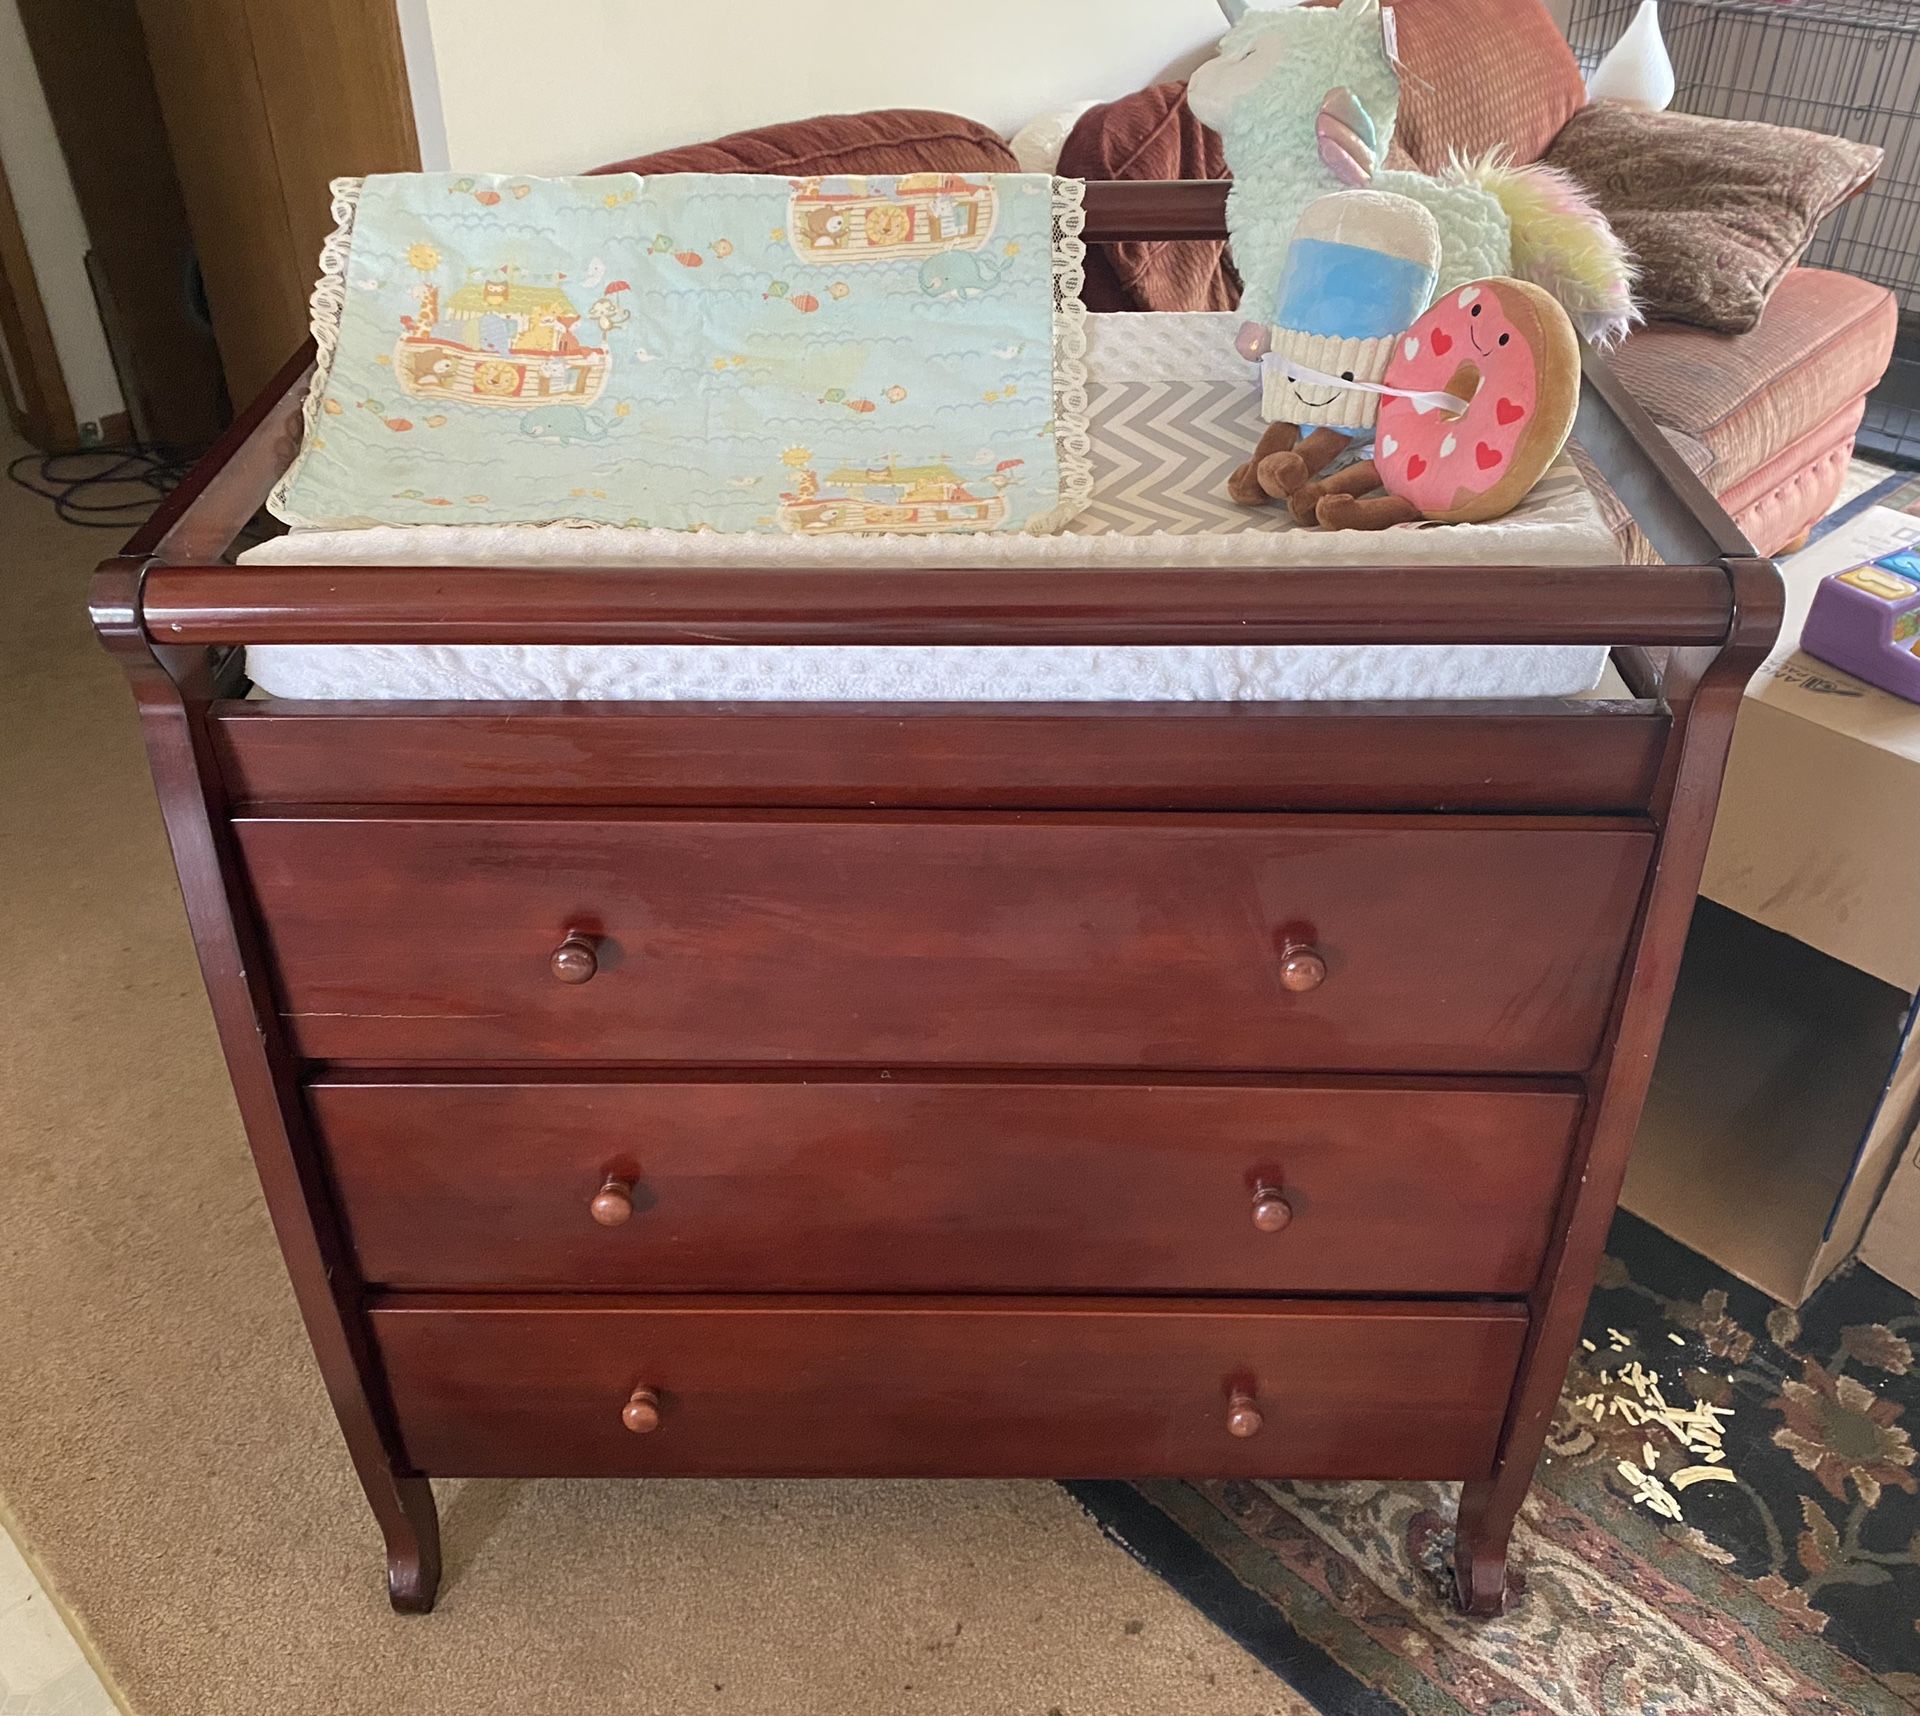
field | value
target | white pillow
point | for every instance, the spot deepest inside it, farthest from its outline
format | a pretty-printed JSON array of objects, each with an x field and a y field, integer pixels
[{"x": 1038, "y": 143}]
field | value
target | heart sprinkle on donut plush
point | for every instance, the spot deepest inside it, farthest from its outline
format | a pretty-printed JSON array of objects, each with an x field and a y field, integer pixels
[{"x": 1507, "y": 349}]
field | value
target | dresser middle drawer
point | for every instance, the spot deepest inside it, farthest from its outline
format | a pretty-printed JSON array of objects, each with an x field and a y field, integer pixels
[{"x": 942, "y": 1183}]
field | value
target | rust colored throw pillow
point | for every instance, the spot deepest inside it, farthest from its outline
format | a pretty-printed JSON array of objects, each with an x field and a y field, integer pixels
[
  {"x": 1151, "y": 135},
  {"x": 1714, "y": 210},
  {"x": 891, "y": 140},
  {"x": 1478, "y": 75}
]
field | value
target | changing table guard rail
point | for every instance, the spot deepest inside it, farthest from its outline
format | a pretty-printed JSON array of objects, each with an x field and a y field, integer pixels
[
  {"x": 188, "y": 596},
  {"x": 1305, "y": 605}
]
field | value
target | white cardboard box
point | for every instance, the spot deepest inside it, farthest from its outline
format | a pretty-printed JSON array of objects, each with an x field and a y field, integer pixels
[{"x": 1775, "y": 1173}]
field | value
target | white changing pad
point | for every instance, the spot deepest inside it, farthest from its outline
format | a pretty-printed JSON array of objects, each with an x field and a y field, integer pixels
[{"x": 1171, "y": 409}]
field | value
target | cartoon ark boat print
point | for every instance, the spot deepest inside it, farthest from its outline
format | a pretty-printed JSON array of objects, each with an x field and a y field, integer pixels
[
  {"x": 499, "y": 341},
  {"x": 919, "y": 499},
  {"x": 855, "y": 219}
]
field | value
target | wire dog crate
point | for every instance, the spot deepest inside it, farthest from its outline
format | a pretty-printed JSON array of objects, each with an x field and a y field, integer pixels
[{"x": 1850, "y": 67}]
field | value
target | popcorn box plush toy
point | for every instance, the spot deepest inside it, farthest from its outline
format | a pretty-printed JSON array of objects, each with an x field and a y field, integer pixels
[{"x": 1360, "y": 268}]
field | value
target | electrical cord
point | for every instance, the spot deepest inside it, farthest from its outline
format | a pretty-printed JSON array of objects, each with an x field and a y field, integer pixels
[
  {"x": 114, "y": 488},
  {"x": 102, "y": 488}
]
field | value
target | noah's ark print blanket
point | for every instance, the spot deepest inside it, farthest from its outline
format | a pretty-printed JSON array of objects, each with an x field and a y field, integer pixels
[{"x": 881, "y": 355}]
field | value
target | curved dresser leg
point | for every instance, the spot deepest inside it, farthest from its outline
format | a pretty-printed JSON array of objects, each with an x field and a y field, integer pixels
[
  {"x": 1480, "y": 1550},
  {"x": 411, "y": 1527},
  {"x": 1703, "y": 686},
  {"x": 174, "y": 689}
]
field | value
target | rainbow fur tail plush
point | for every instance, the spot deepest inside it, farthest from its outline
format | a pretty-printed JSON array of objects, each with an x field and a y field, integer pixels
[{"x": 1560, "y": 241}]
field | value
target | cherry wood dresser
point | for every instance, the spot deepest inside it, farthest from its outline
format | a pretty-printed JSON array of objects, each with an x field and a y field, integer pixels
[{"x": 1064, "y": 1090}]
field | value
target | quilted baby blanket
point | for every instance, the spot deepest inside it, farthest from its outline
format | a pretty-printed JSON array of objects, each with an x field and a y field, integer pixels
[{"x": 738, "y": 353}]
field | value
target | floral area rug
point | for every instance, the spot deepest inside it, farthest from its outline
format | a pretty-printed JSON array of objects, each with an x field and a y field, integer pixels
[
  {"x": 1903, "y": 497},
  {"x": 1788, "y": 1587}
]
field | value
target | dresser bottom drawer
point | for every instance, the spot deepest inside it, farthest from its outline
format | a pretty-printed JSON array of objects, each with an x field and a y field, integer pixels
[{"x": 947, "y": 1387}]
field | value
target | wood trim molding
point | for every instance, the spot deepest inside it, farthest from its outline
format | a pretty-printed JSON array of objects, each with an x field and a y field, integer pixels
[{"x": 44, "y": 411}]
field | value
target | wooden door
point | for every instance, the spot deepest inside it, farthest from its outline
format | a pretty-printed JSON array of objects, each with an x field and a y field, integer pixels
[
  {"x": 264, "y": 104},
  {"x": 92, "y": 62}
]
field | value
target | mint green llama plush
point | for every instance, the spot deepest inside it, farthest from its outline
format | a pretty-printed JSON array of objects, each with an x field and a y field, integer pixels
[{"x": 1305, "y": 100}]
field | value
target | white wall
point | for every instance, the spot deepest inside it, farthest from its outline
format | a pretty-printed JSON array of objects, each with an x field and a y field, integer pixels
[
  {"x": 50, "y": 222},
  {"x": 562, "y": 85}
]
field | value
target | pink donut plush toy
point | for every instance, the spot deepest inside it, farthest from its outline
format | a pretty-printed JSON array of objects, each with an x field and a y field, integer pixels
[{"x": 1506, "y": 350}]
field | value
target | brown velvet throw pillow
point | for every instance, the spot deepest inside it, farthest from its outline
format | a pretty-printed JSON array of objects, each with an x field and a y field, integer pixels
[
  {"x": 891, "y": 140},
  {"x": 1714, "y": 210},
  {"x": 1150, "y": 135}
]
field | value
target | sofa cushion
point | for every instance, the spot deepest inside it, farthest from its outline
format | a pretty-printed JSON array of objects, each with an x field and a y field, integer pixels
[
  {"x": 1481, "y": 74},
  {"x": 1797, "y": 487},
  {"x": 1150, "y": 135},
  {"x": 890, "y": 140},
  {"x": 1823, "y": 341},
  {"x": 1715, "y": 211},
  {"x": 1778, "y": 503}
]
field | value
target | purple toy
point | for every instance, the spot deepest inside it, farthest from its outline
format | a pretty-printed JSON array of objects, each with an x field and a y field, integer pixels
[{"x": 1867, "y": 621}]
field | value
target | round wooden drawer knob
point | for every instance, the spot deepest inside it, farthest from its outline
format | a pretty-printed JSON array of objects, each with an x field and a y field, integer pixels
[
  {"x": 1243, "y": 1417},
  {"x": 1271, "y": 1212},
  {"x": 613, "y": 1203},
  {"x": 1301, "y": 968},
  {"x": 574, "y": 960},
  {"x": 641, "y": 1414}
]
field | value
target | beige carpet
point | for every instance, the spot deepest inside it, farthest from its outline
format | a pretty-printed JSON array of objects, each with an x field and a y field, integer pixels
[{"x": 167, "y": 1456}]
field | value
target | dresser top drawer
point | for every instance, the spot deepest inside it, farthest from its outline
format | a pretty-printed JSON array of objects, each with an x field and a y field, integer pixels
[
  {"x": 947, "y": 1388},
  {"x": 1410, "y": 944}
]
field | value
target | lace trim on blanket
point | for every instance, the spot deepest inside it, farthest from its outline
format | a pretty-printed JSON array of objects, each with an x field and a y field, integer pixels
[
  {"x": 1072, "y": 439},
  {"x": 328, "y": 303}
]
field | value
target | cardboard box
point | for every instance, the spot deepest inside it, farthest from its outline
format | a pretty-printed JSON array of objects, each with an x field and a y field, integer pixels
[
  {"x": 1818, "y": 832},
  {"x": 1786, "y": 1087},
  {"x": 1892, "y": 1245},
  {"x": 1769, "y": 1128}
]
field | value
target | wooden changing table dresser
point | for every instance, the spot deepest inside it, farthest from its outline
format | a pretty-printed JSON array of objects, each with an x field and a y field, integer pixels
[{"x": 1090, "y": 1090}]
